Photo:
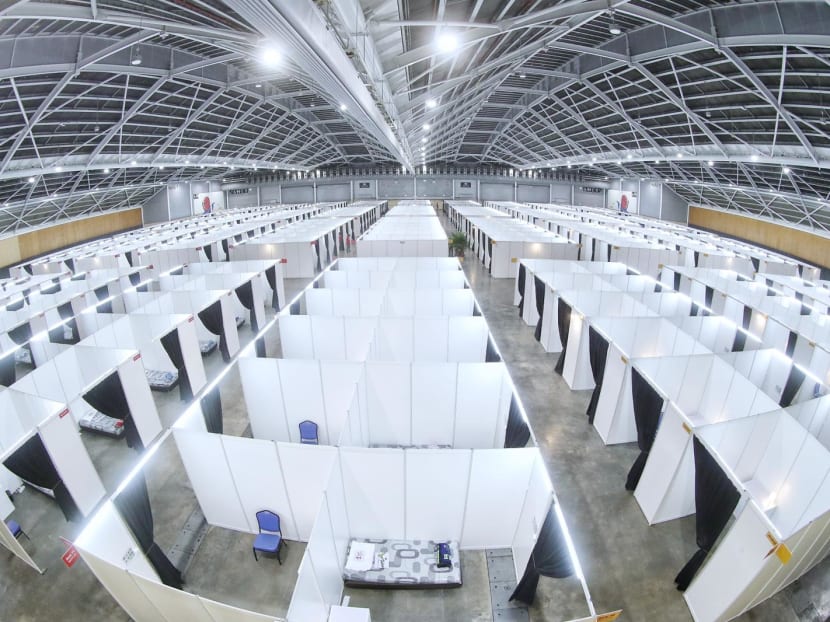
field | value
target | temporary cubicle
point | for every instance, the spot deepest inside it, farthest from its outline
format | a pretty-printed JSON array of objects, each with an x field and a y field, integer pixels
[
  {"x": 782, "y": 473},
  {"x": 404, "y": 236},
  {"x": 392, "y": 302},
  {"x": 690, "y": 392},
  {"x": 168, "y": 345},
  {"x": 369, "y": 264},
  {"x": 270, "y": 275},
  {"x": 108, "y": 380}
]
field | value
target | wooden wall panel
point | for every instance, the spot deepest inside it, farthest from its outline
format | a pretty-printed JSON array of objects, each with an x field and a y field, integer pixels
[
  {"x": 48, "y": 239},
  {"x": 810, "y": 247}
]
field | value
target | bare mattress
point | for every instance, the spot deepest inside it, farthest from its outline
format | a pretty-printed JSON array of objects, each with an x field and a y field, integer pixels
[{"x": 400, "y": 564}]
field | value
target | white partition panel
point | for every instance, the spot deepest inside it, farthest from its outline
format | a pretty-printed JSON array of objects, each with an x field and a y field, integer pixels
[
  {"x": 324, "y": 557},
  {"x": 477, "y": 405},
  {"x": 429, "y": 517},
  {"x": 65, "y": 447},
  {"x": 433, "y": 403},
  {"x": 295, "y": 336},
  {"x": 302, "y": 394},
  {"x": 121, "y": 585},
  {"x": 339, "y": 385},
  {"x": 431, "y": 339},
  {"x": 498, "y": 483},
  {"x": 534, "y": 511},
  {"x": 140, "y": 399},
  {"x": 467, "y": 339},
  {"x": 394, "y": 339},
  {"x": 173, "y": 605},
  {"x": 389, "y": 406},
  {"x": 189, "y": 341},
  {"x": 257, "y": 476},
  {"x": 221, "y": 612},
  {"x": 204, "y": 460},
  {"x": 373, "y": 480},
  {"x": 263, "y": 398},
  {"x": 306, "y": 470},
  {"x": 359, "y": 332},
  {"x": 328, "y": 337},
  {"x": 338, "y": 513},
  {"x": 307, "y": 603},
  {"x": 9, "y": 541}
]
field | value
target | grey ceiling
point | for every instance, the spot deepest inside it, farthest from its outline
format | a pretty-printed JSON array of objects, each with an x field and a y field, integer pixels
[{"x": 724, "y": 99}]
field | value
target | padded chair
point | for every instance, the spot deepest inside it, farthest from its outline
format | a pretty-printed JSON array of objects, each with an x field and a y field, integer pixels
[
  {"x": 16, "y": 529},
  {"x": 269, "y": 539},
  {"x": 308, "y": 433}
]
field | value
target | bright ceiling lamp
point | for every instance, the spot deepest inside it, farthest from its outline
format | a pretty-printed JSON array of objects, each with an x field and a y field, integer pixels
[
  {"x": 135, "y": 56},
  {"x": 426, "y": 126},
  {"x": 271, "y": 56},
  {"x": 787, "y": 170},
  {"x": 613, "y": 26},
  {"x": 343, "y": 107},
  {"x": 431, "y": 103},
  {"x": 447, "y": 42}
]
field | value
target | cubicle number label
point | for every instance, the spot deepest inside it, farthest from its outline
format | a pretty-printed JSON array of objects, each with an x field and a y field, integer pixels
[
  {"x": 70, "y": 557},
  {"x": 63, "y": 413}
]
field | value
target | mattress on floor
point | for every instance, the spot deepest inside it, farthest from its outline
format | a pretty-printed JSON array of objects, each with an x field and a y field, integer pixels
[
  {"x": 23, "y": 356},
  {"x": 206, "y": 346},
  {"x": 161, "y": 380},
  {"x": 400, "y": 564},
  {"x": 95, "y": 421}
]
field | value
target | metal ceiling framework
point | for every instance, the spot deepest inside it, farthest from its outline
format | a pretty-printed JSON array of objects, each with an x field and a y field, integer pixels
[{"x": 723, "y": 100}]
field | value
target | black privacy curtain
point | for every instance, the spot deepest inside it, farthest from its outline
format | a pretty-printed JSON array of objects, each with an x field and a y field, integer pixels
[
  {"x": 648, "y": 405},
  {"x": 598, "y": 353},
  {"x": 211, "y": 405},
  {"x": 212, "y": 319},
  {"x": 715, "y": 500},
  {"x": 564, "y": 321},
  {"x": 271, "y": 275},
  {"x": 550, "y": 558},
  {"x": 31, "y": 462},
  {"x": 133, "y": 504},
  {"x": 108, "y": 397},
  {"x": 245, "y": 293},
  {"x": 521, "y": 284},
  {"x": 518, "y": 433},
  {"x": 173, "y": 346},
  {"x": 539, "y": 290}
]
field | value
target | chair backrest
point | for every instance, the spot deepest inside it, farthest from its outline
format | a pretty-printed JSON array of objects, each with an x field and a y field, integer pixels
[
  {"x": 308, "y": 431},
  {"x": 14, "y": 527},
  {"x": 268, "y": 521}
]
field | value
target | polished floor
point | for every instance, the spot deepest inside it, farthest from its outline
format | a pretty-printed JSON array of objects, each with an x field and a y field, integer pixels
[{"x": 628, "y": 564}]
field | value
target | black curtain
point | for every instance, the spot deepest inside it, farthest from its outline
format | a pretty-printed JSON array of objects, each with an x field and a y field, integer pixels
[
  {"x": 32, "y": 463},
  {"x": 539, "y": 288},
  {"x": 171, "y": 344},
  {"x": 245, "y": 293},
  {"x": 316, "y": 245},
  {"x": 212, "y": 319},
  {"x": 102, "y": 292},
  {"x": 791, "y": 387},
  {"x": 21, "y": 334},
  {"x": 271, "y": 275},
  {"x": 697, "y": 258},
  {"x": 564, "y": 322},
  {"x": 791, "y": 341},
  {"x": 715, "y": 499},
  {"x": 65, "y": 313},
  {"x": 647, "y": 408},
  {"x": 550, "y": 558},
  {"x": 225, "y": 249},
  {"x": 259, "y": 347},
  {"x": 598, "y": 353},
  {"x": 739, "y": 341},
  {"x": 135, "y": 278},
  {"x": 746, "y": 320},
  {"x": 677, "y": 281},
  {"x": 522, "y": 277},
  {"x": 70, "y": 263},
  {"x": 208, "y": 251},
  {"x": 211, "y": 405},
  {"x": 7, "y": 372},
  {"x": 133, "y": 504},
  {"x": 708, "y": 295},
  {"x": 16, "y": 306},
  {"x": 109, "y": 398},
  {"x": 295, "y": 308},
  {"x": 491, "y": 356},
  {"x": 755, "y": 263},
  {"x": 518, "y": 433},
  {"x": 490, "y": 255}
]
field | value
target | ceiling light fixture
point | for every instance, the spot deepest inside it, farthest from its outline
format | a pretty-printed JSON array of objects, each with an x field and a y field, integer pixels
[
  {"x": 711, "y": 163},
  {"x": 447, "y": 42},
  {"x": 106, "y": 171},
  {"x": 787, "y": 170},
  {"x": 753, "y": 157},
  {"x": 135, "y": 56},
  {"x": 431, "y": 103},
  {"x": 343, "y": 107},
  {"x": 523, "y": 75},
  {"x": 58, "y": 169},
  {"x": 271, "y": 56},
  {"x": 424, "y": 139},
  {"x": 258, "y": 85},
  {"x": 31, "y": 180},
  {"x": 426, "y": 126},
  {"x": 613, "y": 27}
]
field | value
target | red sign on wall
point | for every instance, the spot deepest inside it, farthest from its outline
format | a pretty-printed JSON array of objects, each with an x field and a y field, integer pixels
[{"x": 70, "y": 557}]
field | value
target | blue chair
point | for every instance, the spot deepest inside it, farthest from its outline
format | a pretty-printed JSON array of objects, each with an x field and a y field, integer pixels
[
  {"x": 16, "y": 529},
  {"x": 269, "y": 539},
  {"x": 308, "y": 433}
]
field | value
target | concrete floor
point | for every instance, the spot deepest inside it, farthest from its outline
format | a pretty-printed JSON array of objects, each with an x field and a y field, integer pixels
[{"x": 628, "y": 564}]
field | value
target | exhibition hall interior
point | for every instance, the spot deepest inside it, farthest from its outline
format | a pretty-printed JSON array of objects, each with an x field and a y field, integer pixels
[{"x": 405, "y": 311}]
